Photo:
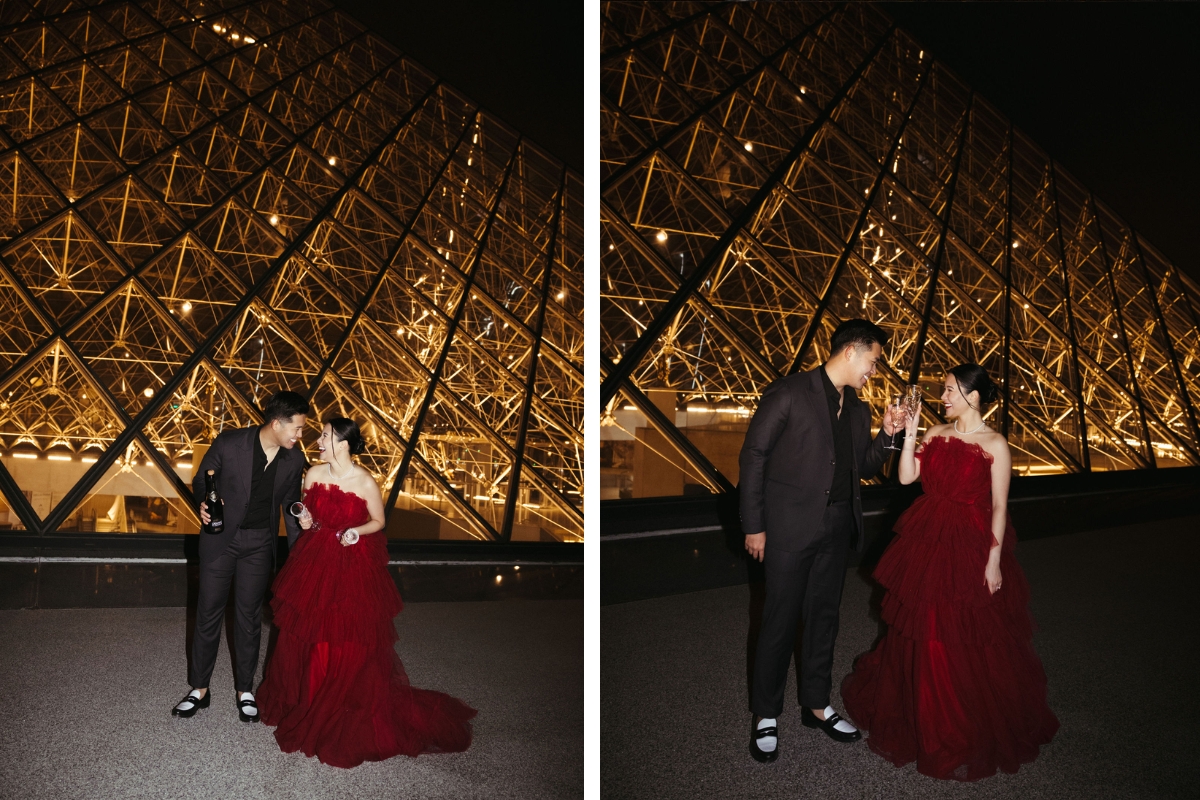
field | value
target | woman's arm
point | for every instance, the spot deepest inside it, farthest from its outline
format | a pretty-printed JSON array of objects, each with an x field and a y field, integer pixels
[
  {"x": 370, "y": 492},
  {"x": 910, "y": 468},
  {"x": 1001, "y": 477}
]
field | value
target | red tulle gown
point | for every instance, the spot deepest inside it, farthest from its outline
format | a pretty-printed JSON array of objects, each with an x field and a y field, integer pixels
[
  {"x": 334, "y": 685},
  {"x": 955, "y": 685}
]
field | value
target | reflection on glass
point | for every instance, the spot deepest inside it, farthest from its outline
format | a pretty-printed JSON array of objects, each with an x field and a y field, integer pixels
[{"x": 133, "y": 497}]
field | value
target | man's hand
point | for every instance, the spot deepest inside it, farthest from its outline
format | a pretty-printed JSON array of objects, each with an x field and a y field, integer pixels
[
  {"x": 204, "y": 515},
  {"x": 890, "y": 423},
  {"x": 755, "y": 543}
]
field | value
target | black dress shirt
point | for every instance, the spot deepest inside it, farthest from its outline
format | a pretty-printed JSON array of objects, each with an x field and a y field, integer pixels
[
  {"x": 843, "y": 451},
  {"x": 262, "y": 489}
]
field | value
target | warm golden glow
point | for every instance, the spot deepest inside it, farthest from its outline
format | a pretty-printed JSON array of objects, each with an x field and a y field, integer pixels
[
  {"x": 736, "y": 239},
  {"x": 175, "y": 247}
]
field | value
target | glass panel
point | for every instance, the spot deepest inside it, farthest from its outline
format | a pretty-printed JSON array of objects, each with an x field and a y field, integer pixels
[
  {"x": 28, "y": 109},
  {"x": 427, "y": 508},
  {"x": 64, "y": 265},
  {"x": 467, "y": 453},
  {"x": 56, "y": 420},
  {"x": 131, "y": 346},
  {"x": 543, "y": 516},
  {"x": 205, "y": 405},
  {"x": 637, "y": 459},
  {"x": 25, "y": 199},
  {"x": 134, "y": 496},
  {"x": 261, "y": 356},
  {"x": 1091, "y": 329},
  {"x": 9, "y": 521},
  {"x": 161, "y": 177}
]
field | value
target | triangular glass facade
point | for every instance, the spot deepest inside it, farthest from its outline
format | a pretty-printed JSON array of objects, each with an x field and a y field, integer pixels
[
  {"x": 770, "y": 169},
  {"x": 204, "y": 202}
]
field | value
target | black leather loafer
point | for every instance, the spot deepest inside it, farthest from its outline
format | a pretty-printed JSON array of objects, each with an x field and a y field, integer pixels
[
  {"x": 243, "y": 705},
  {"x": 812, "y": 721},
  {"x": 756, "y": 733},
  {"x": 195, "y": 706}
]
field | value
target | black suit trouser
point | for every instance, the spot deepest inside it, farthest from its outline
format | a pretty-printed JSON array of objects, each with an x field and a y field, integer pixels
[
  {"x": 246, "y": 563},
  {"x": 810, "y": 580}
]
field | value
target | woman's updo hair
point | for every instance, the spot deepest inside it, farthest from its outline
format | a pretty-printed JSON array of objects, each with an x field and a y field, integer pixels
[
  {"x": 346, "y": 430},
  {"x": 971, "y": 378}
]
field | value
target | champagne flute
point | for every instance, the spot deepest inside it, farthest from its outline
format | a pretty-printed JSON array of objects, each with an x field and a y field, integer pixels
[
  {"x": 299, "y": 510},
  {"x": 912, "y": 402},
  {"x": 900, "y": 415}
]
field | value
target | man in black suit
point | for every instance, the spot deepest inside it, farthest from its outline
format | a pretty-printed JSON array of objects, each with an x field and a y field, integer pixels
[
  {"x": 806, "y": 449},
  {"x": 257, "y": 473}
]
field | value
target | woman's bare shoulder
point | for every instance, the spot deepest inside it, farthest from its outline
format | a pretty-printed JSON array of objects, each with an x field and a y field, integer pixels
[
  {"x": 994, "y": 442},
  {"x": 362, "y": 483}
]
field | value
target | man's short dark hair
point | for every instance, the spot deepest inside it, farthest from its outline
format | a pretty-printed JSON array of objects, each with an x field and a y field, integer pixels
[
  {"x": 283, "y": 406},
  {"x": 857, "y": 332}
]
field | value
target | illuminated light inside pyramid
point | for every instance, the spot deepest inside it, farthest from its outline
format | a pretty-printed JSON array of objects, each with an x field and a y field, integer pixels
[
  {"x": 769, "y": 170},
  {"x": 203, "y": 209}
]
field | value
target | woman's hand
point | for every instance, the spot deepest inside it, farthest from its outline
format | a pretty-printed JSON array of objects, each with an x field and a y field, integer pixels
[
  {"x": 912, "y": 423},
  {"x": 991, "y": 575},
  {"x": 305, "y": 519},
  {"x": 349, "y": 537}
]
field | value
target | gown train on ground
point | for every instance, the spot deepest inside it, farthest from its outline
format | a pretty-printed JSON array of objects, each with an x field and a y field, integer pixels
[
  {"x": 334, "y": 686},
  {"x": 955, "y": 684}
]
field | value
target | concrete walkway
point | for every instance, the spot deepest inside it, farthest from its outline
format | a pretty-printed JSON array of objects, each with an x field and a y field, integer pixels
[
  {"x": 85, "y": 700},
  {"x": 1119, "y": 639}
]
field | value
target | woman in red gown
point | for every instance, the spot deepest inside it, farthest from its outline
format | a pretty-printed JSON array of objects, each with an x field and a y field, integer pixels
[
  {"x": 335, "y": 686},
  {"x": 955, "y": 684}
]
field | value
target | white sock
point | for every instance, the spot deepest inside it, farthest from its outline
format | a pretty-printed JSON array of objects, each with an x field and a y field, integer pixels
[
  {"x": 841, "y": 724},
  {"x": 251, "y": 710},
  {"x": 187, "y": 703},
  {"x": 767, "y": 743}
]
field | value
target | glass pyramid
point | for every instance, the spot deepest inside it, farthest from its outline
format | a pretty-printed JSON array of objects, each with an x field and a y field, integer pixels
[
  {"x": 771, "y": 169},
  {"x": 206, "y": 202}
]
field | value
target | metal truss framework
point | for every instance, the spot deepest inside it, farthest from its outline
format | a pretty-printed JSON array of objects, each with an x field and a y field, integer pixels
[
  {"x": 770, "y": 169},
  {"x": 204, "y": 202}
]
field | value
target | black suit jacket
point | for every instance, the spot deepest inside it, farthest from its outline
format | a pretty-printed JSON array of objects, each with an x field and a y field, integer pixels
[
  {"x": 232, "y": 456},
  {"x": 787, "y": 461}
]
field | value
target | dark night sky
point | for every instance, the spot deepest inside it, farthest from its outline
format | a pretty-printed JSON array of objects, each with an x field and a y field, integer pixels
[
  {"x": 1107, "y": 89},
  {"x": 520, "y": 60}
]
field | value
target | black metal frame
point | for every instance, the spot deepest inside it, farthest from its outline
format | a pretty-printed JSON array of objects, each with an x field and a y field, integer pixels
[
  {"x": 668, "y": 428},
  {"x": 684, "y": 296},
  {"x": 451, "y": 329},
  {"x": 622, "y": 371},
  {"x": 1080, "y": 406},
  {"x": 200, "y": 354},
  {"x": 1006, "y": 377},
  {"x": 1188, "y": 407},
  {"x": 935, "y": 271},
  {"x": 633, "y": 163},
  {"x": 814, "y": 324},
  {"x": 1135, "y": 388},
  {"x": 514, "y": 477},
  {"x": 58, "y": 332}
]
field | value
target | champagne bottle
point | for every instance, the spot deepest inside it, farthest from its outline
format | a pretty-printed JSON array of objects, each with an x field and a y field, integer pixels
[{"x": 216, "y": 512}]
